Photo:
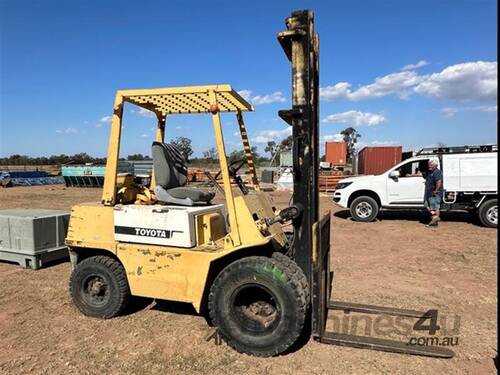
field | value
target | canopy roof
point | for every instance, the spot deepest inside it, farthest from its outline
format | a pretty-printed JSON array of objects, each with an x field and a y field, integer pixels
[{"x": 189, "y": 99}]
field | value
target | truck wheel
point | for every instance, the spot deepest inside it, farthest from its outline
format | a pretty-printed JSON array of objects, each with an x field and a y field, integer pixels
[
  {"x": 99, "y": 287},
  {"x": 364, "y": 209},
  {"x": 258, "y": 306},
  {"x": 488, "y": 213}
]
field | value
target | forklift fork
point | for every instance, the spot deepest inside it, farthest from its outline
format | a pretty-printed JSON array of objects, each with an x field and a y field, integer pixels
[{"x": 321, "y": 290}]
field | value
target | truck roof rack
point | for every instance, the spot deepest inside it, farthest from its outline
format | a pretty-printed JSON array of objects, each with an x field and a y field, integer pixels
[{"x": 457, "y": 149}]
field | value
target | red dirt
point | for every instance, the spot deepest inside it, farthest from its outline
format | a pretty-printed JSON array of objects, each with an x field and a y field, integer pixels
[{"x": 395, "y": 261}]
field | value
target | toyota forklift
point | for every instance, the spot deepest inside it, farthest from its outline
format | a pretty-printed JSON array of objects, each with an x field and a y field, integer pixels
[{"x": 262, "y": 287}]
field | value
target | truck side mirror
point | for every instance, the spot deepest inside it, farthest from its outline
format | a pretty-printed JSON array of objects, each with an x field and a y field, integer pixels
[{"x": 394, "y": 175}]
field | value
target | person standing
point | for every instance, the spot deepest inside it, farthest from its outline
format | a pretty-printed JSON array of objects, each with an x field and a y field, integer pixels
[{"x": 433, "y": 192}]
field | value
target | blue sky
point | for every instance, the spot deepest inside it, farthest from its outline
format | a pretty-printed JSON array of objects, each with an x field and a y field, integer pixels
[{"x": 401, "y": 72}]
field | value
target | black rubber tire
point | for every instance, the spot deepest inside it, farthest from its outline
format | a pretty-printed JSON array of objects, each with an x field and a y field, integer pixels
[
  {"x": 261, "y": 276},
  {"x": 483, "y": 211},
  {"x": 298, "y": 273},
  {"x": 108, "y": 272},
  {"x": 372, "y": 203}
]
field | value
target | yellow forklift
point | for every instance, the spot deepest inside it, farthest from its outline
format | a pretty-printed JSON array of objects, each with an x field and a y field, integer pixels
[{"x": 262, "y": 287}]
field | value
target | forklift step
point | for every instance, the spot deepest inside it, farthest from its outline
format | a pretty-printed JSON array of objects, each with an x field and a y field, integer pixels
[
  {"x": 393, "y": 346},
  {"x": 370, "y": 309}
]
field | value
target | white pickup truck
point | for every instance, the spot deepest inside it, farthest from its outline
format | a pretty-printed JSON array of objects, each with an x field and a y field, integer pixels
[{"x": 469, "y": 181}]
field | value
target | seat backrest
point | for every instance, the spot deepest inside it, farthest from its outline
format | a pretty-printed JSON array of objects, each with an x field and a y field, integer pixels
[{"x": 169, "y": 166}]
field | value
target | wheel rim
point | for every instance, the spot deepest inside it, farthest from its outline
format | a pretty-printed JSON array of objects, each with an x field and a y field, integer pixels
[
  {"x": 255, "y": 309},
  {"x": 95, "y": 291},
  {"x": 363, "y": 210},
  {"x": 492, "y": 214}
]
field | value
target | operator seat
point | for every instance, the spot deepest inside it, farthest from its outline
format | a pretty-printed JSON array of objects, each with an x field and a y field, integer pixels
[{"x": 170, "y": 173}]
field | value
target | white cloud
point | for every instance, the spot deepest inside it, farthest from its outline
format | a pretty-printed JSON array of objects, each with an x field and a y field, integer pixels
[
  {"x": 272, "y": 135},
  {"x": 452, "y": 111},
  {"x": 341, "y": 90},
  {"x": 245, "y": 94},
  {"x": 491, "y": 108},
  {"x": 331, "y": 138},
  {"x": 67, "y": 131},
  {"x": 106, "y": 119},
  {"x": 466, "y": 81},
  {"x": 354, "y": 118},
  {"x": 384, "y": 143},
  {"x": 275, "y": 97},
  {"x": 143, "y": 112},
  {"x": 419, "y": 64},
  {"x": 399, "y": 83},
  {"x": 360, "y": 144},
  {"x": 144, "y": 135}
]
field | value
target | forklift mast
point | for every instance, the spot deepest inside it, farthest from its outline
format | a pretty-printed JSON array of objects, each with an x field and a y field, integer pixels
[
  {"x": 301, "y": 46},
  {"x": 311, "y": 243}
]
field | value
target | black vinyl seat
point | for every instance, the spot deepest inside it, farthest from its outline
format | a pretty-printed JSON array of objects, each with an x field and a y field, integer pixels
[{"x": 170, "y": 173}]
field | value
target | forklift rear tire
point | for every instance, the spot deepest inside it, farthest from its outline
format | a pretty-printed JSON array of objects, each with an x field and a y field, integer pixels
[
  {"x": 364, "y": 209},
  {"x": 258, "y": 306},
  {"x": 99, "y": 287}
]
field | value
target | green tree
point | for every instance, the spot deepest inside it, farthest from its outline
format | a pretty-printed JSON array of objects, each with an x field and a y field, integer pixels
[
  {"x": 184, "y": 146},
  {"x": 210, "y": 154},
  {"x": 271, "y": 148},
  {"x": 286, "y": 144},
  {"x": 240, "y": 155},
  {"x": 136, "y": 157},
  {"x": 350, "y": 137}
]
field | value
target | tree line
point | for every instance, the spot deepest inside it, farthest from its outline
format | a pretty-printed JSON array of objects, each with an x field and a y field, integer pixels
[
  {"x": 80, "y": 158},
  {"x": 184, "y": 145}
]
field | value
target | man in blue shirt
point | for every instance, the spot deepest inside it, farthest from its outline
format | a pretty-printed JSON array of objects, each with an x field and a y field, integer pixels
[{"x": 433, "y": 192}]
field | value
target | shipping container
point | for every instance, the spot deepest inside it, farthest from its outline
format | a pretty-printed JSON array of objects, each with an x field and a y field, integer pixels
[
  {"x": 376, "y": 160},
  {"x": 336, "y": 152}
]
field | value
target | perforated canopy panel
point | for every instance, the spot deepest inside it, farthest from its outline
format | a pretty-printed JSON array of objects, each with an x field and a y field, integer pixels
[{"x": 194, "y": 99}]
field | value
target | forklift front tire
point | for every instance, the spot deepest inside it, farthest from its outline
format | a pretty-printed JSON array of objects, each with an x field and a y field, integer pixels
[
  {"x": 364, "y": 209},
  {"x": 258, "y": 306},
  {"x": 99, "y": 287}
]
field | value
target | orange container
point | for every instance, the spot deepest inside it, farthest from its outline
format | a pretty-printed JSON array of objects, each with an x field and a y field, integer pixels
[
  {"x": 336, "y": 152},
  {"x": 377, "y": 160}
]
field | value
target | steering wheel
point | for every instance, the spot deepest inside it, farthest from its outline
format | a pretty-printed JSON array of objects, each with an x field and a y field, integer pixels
[{"x": 233, "y": 169}]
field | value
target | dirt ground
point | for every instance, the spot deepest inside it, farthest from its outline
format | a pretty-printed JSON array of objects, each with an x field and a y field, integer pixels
[{"x": 395, "y": 261}]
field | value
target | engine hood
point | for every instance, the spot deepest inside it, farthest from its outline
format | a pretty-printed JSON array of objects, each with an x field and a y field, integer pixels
[{"x": 357, "y": 178}]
